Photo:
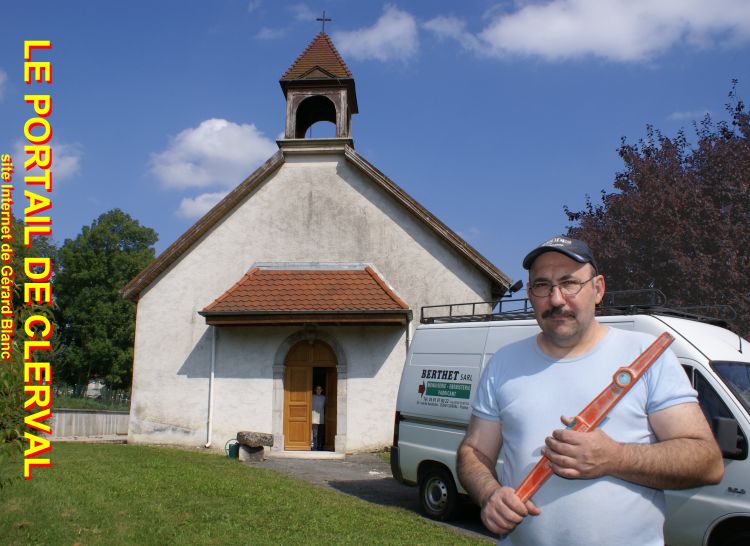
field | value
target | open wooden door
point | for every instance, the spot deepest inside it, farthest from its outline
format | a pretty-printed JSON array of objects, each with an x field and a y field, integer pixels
[
  {"x": 297, "y": 404},
  {"x": 301, "y": 361}
]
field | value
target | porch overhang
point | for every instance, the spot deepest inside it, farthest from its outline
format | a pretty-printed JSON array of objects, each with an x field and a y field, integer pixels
[
  {"x": 300, "y": 318},
  {"x": 340, "y": 295}
]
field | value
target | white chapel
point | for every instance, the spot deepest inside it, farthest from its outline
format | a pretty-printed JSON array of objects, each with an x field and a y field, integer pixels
[{"x": 311, "y": 272}]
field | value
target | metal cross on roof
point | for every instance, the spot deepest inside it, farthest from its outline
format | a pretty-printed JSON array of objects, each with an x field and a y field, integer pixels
[{"x": 323, "y": 21}]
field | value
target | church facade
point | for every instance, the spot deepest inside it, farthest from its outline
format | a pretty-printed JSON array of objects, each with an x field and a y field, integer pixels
[{"x": 311, "y": 272}]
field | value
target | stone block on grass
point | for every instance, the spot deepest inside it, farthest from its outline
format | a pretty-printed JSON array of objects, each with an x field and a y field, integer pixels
[{"x": 252, "y": 444}]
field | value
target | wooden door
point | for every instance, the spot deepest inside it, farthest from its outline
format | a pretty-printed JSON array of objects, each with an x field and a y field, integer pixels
[
  {"x": 297, "y": 404},
  {"x": 298, "y": 376}
]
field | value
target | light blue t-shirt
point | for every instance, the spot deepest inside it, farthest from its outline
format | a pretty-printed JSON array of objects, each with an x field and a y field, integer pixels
[{"x": 528, "y": 391}]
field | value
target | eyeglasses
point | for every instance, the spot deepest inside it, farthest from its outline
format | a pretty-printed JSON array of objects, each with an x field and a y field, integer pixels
[{"x": 569, "y": 287}]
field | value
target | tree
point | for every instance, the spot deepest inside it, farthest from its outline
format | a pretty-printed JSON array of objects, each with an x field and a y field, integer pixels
[
  {"x": 11, "y": 371},
  {"x": 679, "y": 219},
  {"x": 97, "y": 324}
]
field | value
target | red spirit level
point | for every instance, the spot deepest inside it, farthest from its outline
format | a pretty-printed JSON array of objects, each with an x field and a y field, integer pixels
[{"x": 598, "y": 408}]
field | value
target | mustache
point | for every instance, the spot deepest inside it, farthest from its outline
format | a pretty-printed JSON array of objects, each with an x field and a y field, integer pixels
[{"x": 558, "y": 312}]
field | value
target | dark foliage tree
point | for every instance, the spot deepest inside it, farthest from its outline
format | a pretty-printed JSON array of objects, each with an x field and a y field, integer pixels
[
  {"x": 97, "y": 324},
  {"x": 679, "y": 219}
]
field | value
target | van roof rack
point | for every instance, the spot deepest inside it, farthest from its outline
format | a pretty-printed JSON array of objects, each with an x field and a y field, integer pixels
[{"x": 648, "y": 301}]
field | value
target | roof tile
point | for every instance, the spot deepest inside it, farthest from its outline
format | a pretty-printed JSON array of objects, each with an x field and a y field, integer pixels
[
  {"x": 322, "y": 53},
  {"x": 313, "y": 290}
]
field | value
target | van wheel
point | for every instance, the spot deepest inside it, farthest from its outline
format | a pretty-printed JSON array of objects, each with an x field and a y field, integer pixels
[
  {"x": 738, "y": 539},
  {"x": 734, "y": 532},
  {"x": 437, "y": 493}
]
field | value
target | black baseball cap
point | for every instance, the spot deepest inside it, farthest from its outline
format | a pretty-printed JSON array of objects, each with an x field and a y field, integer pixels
[{"x": 572, "y": 248}]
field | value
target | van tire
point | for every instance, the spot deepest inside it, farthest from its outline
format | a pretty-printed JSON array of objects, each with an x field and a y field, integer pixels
[
  {"x": 437, "y": 493},
  {"x": 739, "y": 540},
  {"x": 733, "y": 532},
  {"x": 742, "y": 538}
]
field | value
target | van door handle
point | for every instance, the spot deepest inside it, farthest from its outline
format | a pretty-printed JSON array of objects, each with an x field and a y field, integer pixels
[{"x": 736, "y": 490}]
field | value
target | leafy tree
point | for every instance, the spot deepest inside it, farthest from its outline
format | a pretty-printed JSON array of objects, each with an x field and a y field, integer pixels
[
  {"x": 97, "y": 323},
  {"x": 679, "y": 219},
  {"x": 11, "y": 371}
]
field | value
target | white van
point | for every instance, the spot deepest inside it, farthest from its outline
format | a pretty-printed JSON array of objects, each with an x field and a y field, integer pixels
[{"x": 441, "y": 374}]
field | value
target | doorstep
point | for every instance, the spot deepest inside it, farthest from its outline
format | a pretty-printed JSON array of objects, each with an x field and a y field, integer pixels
[{"x": 312, "y": 455}]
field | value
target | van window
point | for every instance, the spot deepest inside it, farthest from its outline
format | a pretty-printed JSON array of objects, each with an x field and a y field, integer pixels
[
  {"x": 714, "y": 408},
  {"x": 736, "y": 376}
]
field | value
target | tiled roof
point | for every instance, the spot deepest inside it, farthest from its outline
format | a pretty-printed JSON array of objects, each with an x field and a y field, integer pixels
[
  {"x": 322, "y": 53},
  {"x": 307, "y": 290}
]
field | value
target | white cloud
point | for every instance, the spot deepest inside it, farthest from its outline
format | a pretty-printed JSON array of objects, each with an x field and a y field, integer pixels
[
  {"x": 253, "y": 5},
  {"x": 267, "y": 33},
  {"x": 694, "y": 115},
  {"x": 393, "y": 37},
  {"x": 66, "y": 160},
  {"x": 617, "y": 30},
  {"x": 217, "y": 152},
  {"x": 3, "y": 81},
  {"x": 453, "y": 28},
  {"x": 301, "y": 12},
  {"x": 196, "y": 207}
]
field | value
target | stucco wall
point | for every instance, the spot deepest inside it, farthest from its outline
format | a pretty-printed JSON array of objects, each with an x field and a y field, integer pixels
[{"x": 314, "y": 209}]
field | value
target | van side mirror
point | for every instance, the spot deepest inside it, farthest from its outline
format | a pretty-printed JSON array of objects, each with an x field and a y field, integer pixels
[{"x": 728, "y": 436}]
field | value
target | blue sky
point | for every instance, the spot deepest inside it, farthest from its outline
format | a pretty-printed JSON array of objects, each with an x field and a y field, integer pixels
[{"x": 493, "y": 115}]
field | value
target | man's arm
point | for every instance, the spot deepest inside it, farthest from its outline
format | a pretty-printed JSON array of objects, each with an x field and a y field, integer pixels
[
  {"x": 502, "y": 510},
  {"x": 685, "y": 455}
]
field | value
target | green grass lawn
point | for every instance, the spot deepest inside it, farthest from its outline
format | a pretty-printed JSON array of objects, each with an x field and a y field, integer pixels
[{"x": 121, "y": 494}]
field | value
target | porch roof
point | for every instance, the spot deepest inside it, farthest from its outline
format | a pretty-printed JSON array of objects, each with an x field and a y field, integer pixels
[{"x": 267, "y": 296}]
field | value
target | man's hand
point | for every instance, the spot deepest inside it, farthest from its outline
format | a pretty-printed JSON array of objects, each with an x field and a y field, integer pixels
[
  {"x": 577, "y": 455},
  {"x": 685, "y": 454},
  {"x": 502, "y": 510}
]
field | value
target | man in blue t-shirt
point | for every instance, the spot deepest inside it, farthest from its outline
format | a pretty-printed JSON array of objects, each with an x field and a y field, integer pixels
[{"x": 607, "y": 487}]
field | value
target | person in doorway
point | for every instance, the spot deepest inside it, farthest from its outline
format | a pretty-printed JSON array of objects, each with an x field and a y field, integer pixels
[
  {"x": 318, "y": 419},
  {"x": 607, "y": 483}
]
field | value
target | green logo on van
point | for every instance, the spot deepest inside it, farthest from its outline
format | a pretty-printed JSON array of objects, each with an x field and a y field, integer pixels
[{"x": 448, "y": 390}]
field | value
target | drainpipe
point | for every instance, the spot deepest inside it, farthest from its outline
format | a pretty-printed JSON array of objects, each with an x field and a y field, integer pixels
[{"x": 211, "y": 388}]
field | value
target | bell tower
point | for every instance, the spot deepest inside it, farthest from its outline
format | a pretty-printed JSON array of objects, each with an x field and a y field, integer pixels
[{"x": 318, "y": 87}]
